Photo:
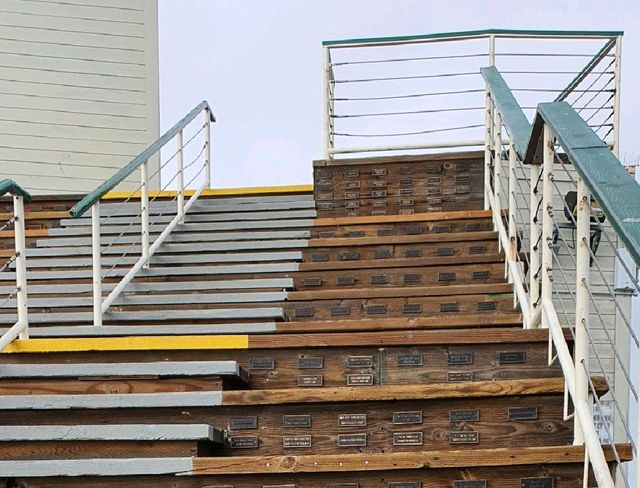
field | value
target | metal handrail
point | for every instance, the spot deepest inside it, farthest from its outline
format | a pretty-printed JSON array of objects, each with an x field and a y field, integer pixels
[
  {"x": 21, "y": 327},
  {"x": 91, "y": 198}
]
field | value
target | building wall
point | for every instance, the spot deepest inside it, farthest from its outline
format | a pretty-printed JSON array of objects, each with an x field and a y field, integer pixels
[{"x": 78, "y": 90}]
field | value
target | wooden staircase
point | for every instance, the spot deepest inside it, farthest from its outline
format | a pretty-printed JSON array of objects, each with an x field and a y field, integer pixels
[{"x": 267, "y": 347}]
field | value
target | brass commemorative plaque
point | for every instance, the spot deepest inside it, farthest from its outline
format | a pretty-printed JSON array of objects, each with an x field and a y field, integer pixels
[
  {"x": 470, "y": 484},
  {"x": 406, "y": 418},
  {"x": 243, "y": 423},
  {"x": 513, "y": 357},
  {"x": 410, "y": 360},
  {"x": 460, "y": 358},
  {"x": 310, "y": 380},
  {"x": 296, "y": 441},
  {"x": 311, "y": 363},
  {"x": 296, "y": 421},
  {"x": 523, "y": 413},
  {"x": 352, "y": 420},
  {"x": 262, "y": 363},
  {"x": 464, "y": 415},
  {"x": 537, "y": 482},
  {"x": 352, "y": 440},
  {"x": 407, "y": 438},
  {"x": 464, "y": 437},
  {"x": 359, "y": 379},
  {"x": 459, "y": 376},
  {"x": 359, "y": 361},
  {"x": 243, "y": 442}
]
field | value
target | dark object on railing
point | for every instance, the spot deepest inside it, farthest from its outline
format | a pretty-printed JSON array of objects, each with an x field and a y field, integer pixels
[
  {"x": 87, "y": 202},
  {"x": 10, "y": 186}
]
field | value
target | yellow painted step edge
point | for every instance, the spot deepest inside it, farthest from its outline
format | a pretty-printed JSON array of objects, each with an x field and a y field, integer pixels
[
  {"x": 135, "y": 343},
  {"x": 218, "y": 192}
]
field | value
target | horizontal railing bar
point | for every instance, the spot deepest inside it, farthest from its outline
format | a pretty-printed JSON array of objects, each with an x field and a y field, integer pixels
[
  {"x": 13, "y": 188},
  {"x": 413, "y": 77},
  {"x": 398, "y": 134},
  {"x": 438, "y": 145},
  {"x": 412, "y": 112},
  {"x": 413, "y": 95}
]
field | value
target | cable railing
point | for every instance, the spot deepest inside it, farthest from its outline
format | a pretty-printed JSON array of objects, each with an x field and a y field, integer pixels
[
  {"x": 399, "y": 95},
  {"x": 568, "y": 216},
  {"x": 18, "y": 260}
]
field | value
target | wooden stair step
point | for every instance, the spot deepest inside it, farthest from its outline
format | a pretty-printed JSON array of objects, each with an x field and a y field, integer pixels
[
  {"x": 438, "y": 239},
  {"x": 400, "y": 262}
]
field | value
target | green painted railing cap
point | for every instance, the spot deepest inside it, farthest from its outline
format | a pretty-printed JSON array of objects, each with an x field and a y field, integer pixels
[
  {"x": 476, "y": 33},
  {"x": 88, "y": 201},
  {"x": 10, "y": 186}
]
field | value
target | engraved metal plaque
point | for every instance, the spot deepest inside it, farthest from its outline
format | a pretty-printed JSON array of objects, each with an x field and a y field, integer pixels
[
  {"x": 304, "y": 312},
  {"x": 352, "y": 440},
  {"x": 414, "y": 231},
  {"x": 359, "y": 379},
  {"x": 470, "y": 484},
  {"x": 343, "y": 485},
  {"x": 352, "y": 420},
  {"x": 320, "y": 257},
  {"x": 311, "y": 363},
  {"x": 537, "y": 482},
  {"x": 352, "y": 185},
  {"x": 312, "y": 282},
  {"x": 385, "y": 232},
  {"x": 513, "y": 357},
  {"x": 434, "y": 180},
  {"x": 404, "y": 484},
  {"x": 463, "y": 189},
  {"x": 355, "y": 233},
  {"x": 379, "y": 172},
  {"x": 243, "y": 442},
  {"x": 242, "y": 423},
  {"x": 477, "y": 249},
  {"x": 406, "y": 211},
  {"x": 411, "y": 307},
  {"x": 449, "y": 307},
  {"x": 340, "y": 311},
  {"x": 412, "y": 253},
  {"x": 359, "y": 361},
  {"x": 462, "y": 178},
  {"x": 407, "y": 438},
  {"x": 434, "y": 169},
  {"x": 434, "y": 190},
  {"x": 440, "y": 229},
  {"x": 460, "y": 358},
  {"x": 310, "y": 380},
  {"x": 379, "y": 184},
  {"x": 406, "y": 192},
  {"x": 406, "y": 202},
  {"x": 473, "y": 227},
  {"x": 459, "y": 377},
  {"x": 345, "y": 281},
  {"x": 523, "y": 413},
  {"x": 324, "y": 196},
  {"x": 412, "y": 278},
  {"x": 464, "y": 437},
  {"x": 262, "y": 363},
  {"x": 351, "y": 195},
  {"x": 464, "y": 415},
  {"x": 444, "y": 251},
  {"x": 487, "y": 306},
  {"x": 410, "y": 360},
  {"x": 481, "y": 275},
  {"x": 326, "y": 235},
  {"x": 296, "y": 421},
  {"x": 324, "y": 205},
  {"x": 406, "y": 182},
  {"x": 323, "y": 173},
  {"x": 446, "y": 277},
  {"x": 378, "y": 193},
  {"x": 382, "y": 254},
  {"x": 296, "y": 441},
  {"x": 375, "y": 309},
  {"x": 379, "y": 279},
  {"x": 349, "y": 256},
  {"x": 407, "y": 418},
  {"x": 352, "y": 173}
]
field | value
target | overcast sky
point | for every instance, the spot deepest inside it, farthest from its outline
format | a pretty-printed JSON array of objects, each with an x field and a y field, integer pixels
[{"x": 259, "y": 64}]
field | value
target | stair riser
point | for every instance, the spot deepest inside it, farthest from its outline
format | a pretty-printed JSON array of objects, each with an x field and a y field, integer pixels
[{"x": 441, "y": 227}]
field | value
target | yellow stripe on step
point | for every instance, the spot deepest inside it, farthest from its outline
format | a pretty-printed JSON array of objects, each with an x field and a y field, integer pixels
[
  {"x": 219, "y": 192},
  {"x": 136, "y": 343}
]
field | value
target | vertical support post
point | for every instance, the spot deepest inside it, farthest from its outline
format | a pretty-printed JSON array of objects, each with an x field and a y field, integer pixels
[
  {"x": 547, "y": 219},
  {"x": 488, "y": 147},
  {"x": 616, "y": 97},
  {"x": 96, "y": 267},
  {"x": 207, "y": 148},
  {"x": 180, "y": 170},
  {"x": 492, "y": 50},
  {"x": 534, "y": 245},
  {"x": 497, "y": 168},
  {"x": 581, "y": 344},
  {"x": 21, "y": 266},
  {"x": 328, "y": 139},
  {"x": 144, "y": 212},
  {"x": 513, "y": 236}
]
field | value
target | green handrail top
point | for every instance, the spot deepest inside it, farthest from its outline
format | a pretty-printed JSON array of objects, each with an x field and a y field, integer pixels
[
  {"x": 90, "y": 199},
  {"x": 615, "y": 190},
  {"x": 513, "y": 117},
  {"x": 476, "y": 33},
  {"x": 10, "y": 186}
]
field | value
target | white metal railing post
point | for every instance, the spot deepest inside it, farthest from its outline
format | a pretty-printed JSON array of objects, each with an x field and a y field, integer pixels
[
  {"x": 581, "y": 342},
  {"x": 534, "y": 243},
  {"x": 488, "y": 143},
  {"x": 207, "y": 149},
  {"x": 547, "y": 218},
  {"x": 513, "y": 237},
  {"x": 144, "y": 212},
  {"x": 180, "y": 163},
  {"x": 21, "y": 266},
  {"x": 328, "y": 140},
  {"x": 616, "y": 97},
  {"x": 96, "y": 267},
  {"x": 497, "y": 168}
]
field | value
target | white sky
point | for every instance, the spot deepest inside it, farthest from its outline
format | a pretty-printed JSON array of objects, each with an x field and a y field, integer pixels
[{"x": 259, "y": 64}]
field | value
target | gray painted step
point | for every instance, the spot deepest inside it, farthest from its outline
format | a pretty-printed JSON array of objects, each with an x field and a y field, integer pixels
[
  {"x": 122, "y": 432},
  {"x": 164, "y": 369},
  {"x": 164, "y": 299},
  {"x": 171, "y": 248},
  {"x": 142, "y": 287},
  {"x": 199, "y": 227},
  {"x": 216, "y": 217},
  {"x": 96, "y": 467},
  {"x": 161, "y": 271},
  {"x": 252, "y": 257},
  {"x": 273, "y": 313},
  {"x": 178, "y": 236},
  {"x": 119, "y": 400},
  {"x": 142, "y": 330}
]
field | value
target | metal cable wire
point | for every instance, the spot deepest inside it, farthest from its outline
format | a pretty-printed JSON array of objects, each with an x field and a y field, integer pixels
[
  {"x": 8, "y": 224},
  {"x": 10, "y": 296},
  {"x": 398, "y": 60},
  {"x": 413, "y": 95},
  {"x": 593, "y": 82},
  {"x": 602, "y": 107},
  {"x": 431, "y": 131},
  {"x": 409, "y": 112},
  {"x": 414, "y": 77},
  {"x": 8, "y": 263},
  {"x": 597, "y": 93}
]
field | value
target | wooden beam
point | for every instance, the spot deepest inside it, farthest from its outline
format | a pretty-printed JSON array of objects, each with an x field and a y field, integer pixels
[
  {"x": 408, "y": 239},
  {"x": 419, "y": 217},
  {"x": 402, "y": 262}
]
